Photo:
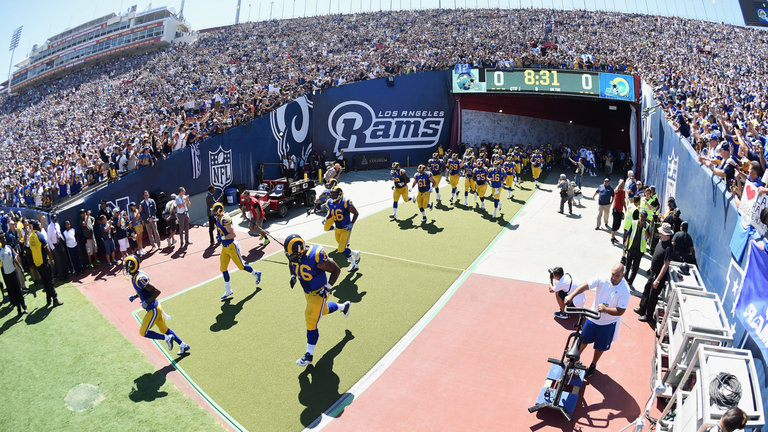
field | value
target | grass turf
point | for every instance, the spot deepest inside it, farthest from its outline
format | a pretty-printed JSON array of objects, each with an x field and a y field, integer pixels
[
  {"x": 50, "y": 351},
  {"x": 244, "y": 349}
]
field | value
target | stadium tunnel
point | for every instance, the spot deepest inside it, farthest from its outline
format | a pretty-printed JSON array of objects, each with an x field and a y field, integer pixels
[{"x": 610, "y": 117}]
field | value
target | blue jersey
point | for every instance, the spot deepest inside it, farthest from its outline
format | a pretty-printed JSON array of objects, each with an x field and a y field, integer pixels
[
  {"x": 481, "y": 176},
  {"x": 436, "y": 166},
  {"x": 339, "y": 211},
  {"x": 422, "y": 181},
  {"x": 140, "y": 281},
  {"x": 311, "y": 277},
  {"x": 497, "y": 176},
  {"x": 509, "y": 166},
  {"x": 537, "y": 160},
  {"x": 468, "y": 168},
  {"x": 399, "y": 177},
  {"x": 221, "y": 228},
  {"x": 453, "y": 166}
]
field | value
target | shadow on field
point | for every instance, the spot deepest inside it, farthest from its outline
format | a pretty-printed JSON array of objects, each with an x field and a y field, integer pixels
[
  {"x": 226, "y": 319},
  {"x": 147, "y": 387},
  {"x": 320, "y": 385},
  {"x": 38, "y": 315},
  {"x": 346, "y": 290}
]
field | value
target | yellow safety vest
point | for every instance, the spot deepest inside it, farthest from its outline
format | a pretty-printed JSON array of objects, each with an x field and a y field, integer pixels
[{"x": 643, "y": 237}]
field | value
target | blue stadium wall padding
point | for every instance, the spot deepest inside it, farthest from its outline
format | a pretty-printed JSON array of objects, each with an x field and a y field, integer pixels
[{"x": 671, "y": 164}]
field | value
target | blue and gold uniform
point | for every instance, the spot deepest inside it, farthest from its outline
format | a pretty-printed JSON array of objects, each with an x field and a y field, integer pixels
[
  {"x": 518, "y": 158},
  {"x": 481, "y": 180},
  {"x": 509, "y": 168},
  {"x": 537, "y": 161},
  {"x": 423, "y": 181},
  {"x": 469, "y": 177},
  {"x": 453, "y": 171},
  {"x": 496, "y": 176},
  {"x": 400, "y": 188},
  {"x": 342, "y": 215},
  {"x": 435, "y": 166},
  {"x": 154, "y": 316},
  {"x": 230, "y": 249}
]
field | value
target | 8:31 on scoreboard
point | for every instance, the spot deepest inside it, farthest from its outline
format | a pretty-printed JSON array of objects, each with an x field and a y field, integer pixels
[{"x": 544, "y": 81}]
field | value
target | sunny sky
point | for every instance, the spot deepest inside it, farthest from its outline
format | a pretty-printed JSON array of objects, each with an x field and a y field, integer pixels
[{"x": 44, "y": 18}]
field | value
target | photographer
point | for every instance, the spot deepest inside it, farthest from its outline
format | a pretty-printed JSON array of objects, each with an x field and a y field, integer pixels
[{"x": 561, "y": 284}]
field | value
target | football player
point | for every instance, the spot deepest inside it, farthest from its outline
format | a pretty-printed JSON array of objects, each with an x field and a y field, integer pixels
[
  {"x": 436, "y": 168},
  {"x": 230, "y": 249},
  {"x": 453, "y": 171},
  {"x": 518, "y": 158},
  {"x": 481, "y": 182},
  {"x": 424, "y": 181},
  {"x": 309, "y": 265},
  {"x": 537, "y": 161},
  {"x": 400, "y": 189},
  {"x": 468, "y": 165},
  {"x": 496, "y": 176},
  {"x": 509, "y": 168},
  {"x": 342, "y": 216},
  {"x": 154, "y": 316}
]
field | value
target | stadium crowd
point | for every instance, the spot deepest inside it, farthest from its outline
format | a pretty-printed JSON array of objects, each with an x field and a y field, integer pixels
[{"x": 99, "y": 122}]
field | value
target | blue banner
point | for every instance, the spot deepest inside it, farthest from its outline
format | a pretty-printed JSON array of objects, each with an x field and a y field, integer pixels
[
  {"x": 752, "y": 306},
  {"x": 409, "y": 119},
  {"x": 614, "y": 86}
]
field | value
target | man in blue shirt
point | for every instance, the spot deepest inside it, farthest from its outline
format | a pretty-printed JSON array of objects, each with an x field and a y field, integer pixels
[{"x": 605, "y": 192}]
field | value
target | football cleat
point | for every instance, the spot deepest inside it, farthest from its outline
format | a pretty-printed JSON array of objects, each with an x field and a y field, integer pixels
[
  {"x": 183, "y": 349},
  {"x": 257, "y": 275},
  {"x": 305, "y": 360},
  {"x": 345, "y": 308},
  {"x": 227, "y": 293},
  {"x": 169, "y": 341}
]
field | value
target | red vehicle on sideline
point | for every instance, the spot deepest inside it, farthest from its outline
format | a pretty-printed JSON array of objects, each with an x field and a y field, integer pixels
[{"x": 283, "y": 192}]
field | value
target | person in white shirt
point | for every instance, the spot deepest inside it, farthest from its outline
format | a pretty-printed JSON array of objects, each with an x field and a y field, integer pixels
[
  {"x": 56, "y": 244},
  {"x": 611, "y": 300},
  {"x": 561, "y": 284},
  {"x": 182, "y": 216},
  {"x": 70, "y": 240},
  {"x": 8, "y": 262}
]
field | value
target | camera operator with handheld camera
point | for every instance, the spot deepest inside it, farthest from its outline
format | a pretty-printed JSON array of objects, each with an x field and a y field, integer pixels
[{"x": 561, "y": 284}]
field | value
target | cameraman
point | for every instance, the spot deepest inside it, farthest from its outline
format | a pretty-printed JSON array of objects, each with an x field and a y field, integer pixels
[{"x": 561, "y": 284}]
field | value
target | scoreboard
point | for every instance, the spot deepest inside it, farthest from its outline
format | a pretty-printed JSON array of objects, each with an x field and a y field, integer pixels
[{"x": 558, "y": 81}]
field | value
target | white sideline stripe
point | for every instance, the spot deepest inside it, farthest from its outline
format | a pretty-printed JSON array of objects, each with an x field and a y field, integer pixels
[
  {"x": 410, "y": 261},
  {"x": 386, "y": 361}
]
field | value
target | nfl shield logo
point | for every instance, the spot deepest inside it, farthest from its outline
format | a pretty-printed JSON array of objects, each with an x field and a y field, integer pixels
[{"x": 221, "y": 167}]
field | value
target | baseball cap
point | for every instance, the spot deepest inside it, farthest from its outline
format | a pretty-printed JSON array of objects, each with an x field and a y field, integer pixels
[{"x": 607, "y": 180}]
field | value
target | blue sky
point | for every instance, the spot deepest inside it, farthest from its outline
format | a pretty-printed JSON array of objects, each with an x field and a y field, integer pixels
[{"x": 44, "y": 18}]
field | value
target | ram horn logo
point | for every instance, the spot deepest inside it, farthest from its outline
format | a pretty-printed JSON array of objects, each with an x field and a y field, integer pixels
[
  {"x": 291, "y": 127},
  {"x": 221, "y": 167},
  {"x": 357, "y": 128}
]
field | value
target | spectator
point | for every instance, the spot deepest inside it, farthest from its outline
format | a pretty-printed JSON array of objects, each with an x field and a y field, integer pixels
[
  {"x": 148, "y": 213},
  {"x": 56, "y": 244},
  {"x": 70, "y": 239},
  {"x": 210, "y": 199},
  {"x": 182, "y": 216},
  {"x": 120, "y": 222},
  {"x": 87, "y": 223},
  {"x": 134, "y": 218},
  {"x": 169, "y": 214},
  {"x": 104, "y": 230},
  {"x": 9, "y": 259}
]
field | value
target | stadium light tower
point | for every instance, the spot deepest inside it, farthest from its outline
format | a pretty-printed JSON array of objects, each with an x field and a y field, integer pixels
[{"x": 15, "y": 37}]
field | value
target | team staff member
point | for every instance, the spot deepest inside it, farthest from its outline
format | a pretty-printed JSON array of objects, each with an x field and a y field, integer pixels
[
  {"x": 619, "y": 200},
  {"x": 400, "y": 189},
  {"x": 537, "y": 162},
  {"x": 453, "y": 167},
  {"x": 611, "y": 300},
  {"x": 182, "y": 216},
  {"x": 423, "y": 180},
  {"x": 342, "y": 216},
  {"x": 509, "y": 168},
  {"x": 309, "y": 266},
  {"x": 659, "y": 274},
  {"x": 43, "y": 259},
  {"x": 256, "y": 219},
  {"x": 481, "y": 182},
  {"x": 148, "y": 211},
  {"x": 230, "y": 249},
  {"x": 635, "y": 244},
  {"x": 496, "y": 175},
  {"x": 435, "y": 166},
  {"x": 147, "y": 293},
  {"x": 210, "y": 200},
  {"x": 561, "y": 284}
]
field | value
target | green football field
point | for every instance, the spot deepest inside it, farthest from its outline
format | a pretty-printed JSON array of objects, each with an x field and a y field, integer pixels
[{"x": 245, "y": 349}]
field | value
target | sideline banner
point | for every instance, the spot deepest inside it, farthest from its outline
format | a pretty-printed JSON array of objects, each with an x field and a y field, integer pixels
[{"x": 752, "y": 306}]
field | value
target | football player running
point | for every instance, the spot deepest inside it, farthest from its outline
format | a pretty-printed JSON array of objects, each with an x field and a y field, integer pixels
[
  {"x": 154, "y": 316},
  {"x": 230, "y": 249},
  {"x": 453, "y": 167},
  {"x": 424, "y": 181},
  {"x": 496, "y": 176},
  {"x": 400, "y": 189},
  {"x": 481, "y": 182},
  {"x": 309, "y": 265},
  {"x": 342, "y": 216},
  {"x": 435, "y": 166}
]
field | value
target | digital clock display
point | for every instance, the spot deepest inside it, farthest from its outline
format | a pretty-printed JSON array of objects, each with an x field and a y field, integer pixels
[{"x": 543, "y": 80}]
